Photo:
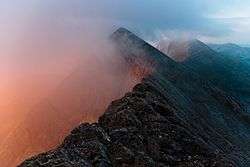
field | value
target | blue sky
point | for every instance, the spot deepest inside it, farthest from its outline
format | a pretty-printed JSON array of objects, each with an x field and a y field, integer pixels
[{"x": 209, "y": 20}]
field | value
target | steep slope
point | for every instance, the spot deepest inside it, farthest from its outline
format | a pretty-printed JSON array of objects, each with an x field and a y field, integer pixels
[
  {"x": 209, "y": 64},
  {"x": 82, "y": 96},
  {"x": 173, "y": 118},
  {"x": 240, "y": 57},
  {"x": 228, "y": 71}
]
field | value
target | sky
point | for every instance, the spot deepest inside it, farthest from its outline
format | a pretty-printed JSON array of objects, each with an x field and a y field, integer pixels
[
  {"x": 46, "y": 37},
  {"x": 37, "y": 36},
  {"x": 209, "y": 20},
  {"x": 31, "y": 28}
]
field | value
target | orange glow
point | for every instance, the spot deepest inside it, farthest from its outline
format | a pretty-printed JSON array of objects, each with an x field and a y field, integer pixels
[
  {"x": 56, "y": 72},
  {"x": 49, "y": 102}
]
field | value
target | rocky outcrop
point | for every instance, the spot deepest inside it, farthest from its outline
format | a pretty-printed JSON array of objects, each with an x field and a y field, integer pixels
[
  {"x": 172, "y": 118},
  {"x": 141, "y": 129}
]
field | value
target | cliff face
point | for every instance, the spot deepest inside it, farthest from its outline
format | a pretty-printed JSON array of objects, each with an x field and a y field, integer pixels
[{"x": 172, "y": 118}]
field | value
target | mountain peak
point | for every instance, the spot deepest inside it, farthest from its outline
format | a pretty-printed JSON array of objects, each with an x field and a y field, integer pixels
[
  {"x": 180, "y": 50},
  {"x": 120, "y": 32},
  {"x": 196, "y": 41},
  {"x": 232, "y": 45},
  {"x": 173, "y": 114},
  {"x": 199, "y": 45}
]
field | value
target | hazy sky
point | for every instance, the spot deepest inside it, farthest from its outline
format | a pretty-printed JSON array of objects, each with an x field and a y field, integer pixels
[
  {"x": 43, "y": 36},
  {"x": 209, "y": 20}
]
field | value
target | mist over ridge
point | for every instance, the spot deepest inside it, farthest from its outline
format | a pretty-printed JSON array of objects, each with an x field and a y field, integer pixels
[{"x": 59, "y": 68}]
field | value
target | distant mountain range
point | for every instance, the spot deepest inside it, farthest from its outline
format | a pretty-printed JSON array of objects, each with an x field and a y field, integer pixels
[
  {"x": 226, "y": 65},
  {"x": 183, "y": 113},
  {"x": 231, "y": 49}
]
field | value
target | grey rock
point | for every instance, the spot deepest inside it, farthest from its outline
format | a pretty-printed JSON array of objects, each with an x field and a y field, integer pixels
[{"x": 172, "y": 118}]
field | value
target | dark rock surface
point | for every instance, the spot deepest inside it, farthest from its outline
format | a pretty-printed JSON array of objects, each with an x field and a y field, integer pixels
[
  {"x": 141, "y": 129},
  {"x": 173, "y": 118},
  {"x": 227, "y": 66},
  {"x": 240, "y": 69}
]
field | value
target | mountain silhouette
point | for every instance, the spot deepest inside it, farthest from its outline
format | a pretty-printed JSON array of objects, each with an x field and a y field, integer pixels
[
  {"x": 226, "y": 65},
  {"x": 174, "y": 117},
  {"x": 231, "y": 49}
]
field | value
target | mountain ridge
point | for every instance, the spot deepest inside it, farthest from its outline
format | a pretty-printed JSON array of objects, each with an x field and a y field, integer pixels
[
  {"x": 223, "y": 65},
  {"x": 173, "y": 117}
]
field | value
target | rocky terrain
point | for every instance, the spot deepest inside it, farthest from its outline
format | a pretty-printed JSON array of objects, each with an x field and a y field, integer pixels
[
  {"x": 226, "y": 65},
  {"x": 141, "y": 129},
  {"x": 174, "y": 117},
  {"x": 82, "y": 96}
]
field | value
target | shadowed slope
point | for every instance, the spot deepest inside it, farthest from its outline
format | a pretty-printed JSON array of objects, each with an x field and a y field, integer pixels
[
  {"x": 228, "y": 69},
  {"x": 240, "y": 69},
  {"x": 172, "y": 118}
]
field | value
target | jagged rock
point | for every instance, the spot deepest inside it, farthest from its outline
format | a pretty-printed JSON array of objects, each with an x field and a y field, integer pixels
[
  {"x": 147, "y": 142},
  {"x": 172, "y": 118}
]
